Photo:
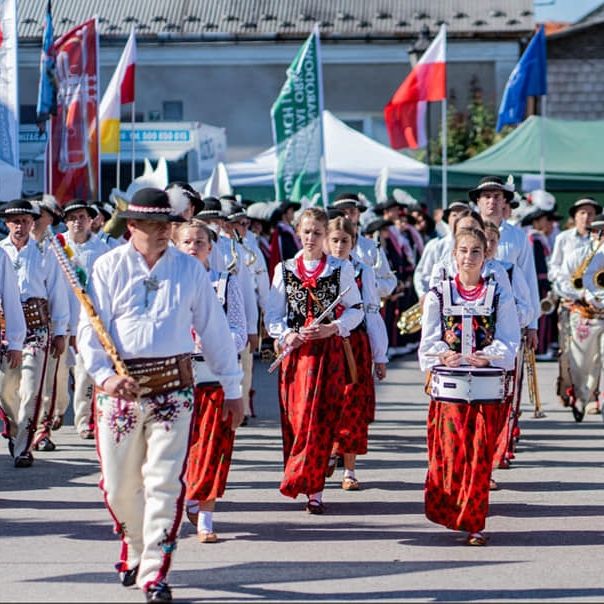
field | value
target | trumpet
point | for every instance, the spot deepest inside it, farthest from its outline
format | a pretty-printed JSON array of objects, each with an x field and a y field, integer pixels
[
  {"x": 533, "y": 388},
  {"x": 410, "y": 320},
  {"x": 549, "y": 303}
]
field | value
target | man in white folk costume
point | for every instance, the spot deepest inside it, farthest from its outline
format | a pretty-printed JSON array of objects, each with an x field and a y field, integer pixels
[{"x": 149, "y": 296}]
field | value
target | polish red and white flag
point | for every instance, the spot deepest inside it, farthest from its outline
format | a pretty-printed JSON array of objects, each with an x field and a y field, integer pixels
[{"x": 405, "y": 114}]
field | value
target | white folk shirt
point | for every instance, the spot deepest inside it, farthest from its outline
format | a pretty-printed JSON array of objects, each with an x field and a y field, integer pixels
[
  {"x": 507, "y": 330},
  {"x": 435, "y": 250},
  {"x": 149, "y": 313},
  {"x": 376, "y": 328},
  {"x": 234, "y": 303},
  {"x": 246, "y": 281},
  {"x": 590, "y": 293},
  {"x": 565, "y": 244},
  {"x": 84, "y": 255},
  {"x": 514, "y": 247},
  {"x": 367, "y": 251},
  {"x": 11, "y": 305},
  {"x": 258, "y": 269},
  {"x": 40, "y": 276},
  {"x": 276, "y": 315}
]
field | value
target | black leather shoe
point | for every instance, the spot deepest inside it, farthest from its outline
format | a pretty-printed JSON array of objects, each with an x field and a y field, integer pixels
[
  {"x": 578, "y": 414},
  {"x": 128, "y": 577},
  {"x": 45, "y": 445},
  {"x": 11, "y": 447},
  {"x": 25, "y": 460},
  {"x": 159, "y": 593}
]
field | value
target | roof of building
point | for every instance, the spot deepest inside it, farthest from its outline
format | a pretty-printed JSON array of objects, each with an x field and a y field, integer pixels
[
  {"x": 242, "y": 20},
  {"x": 593, "y": 18}
]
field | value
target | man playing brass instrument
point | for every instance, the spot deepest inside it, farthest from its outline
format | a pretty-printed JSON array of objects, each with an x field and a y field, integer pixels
[
  {"x": 566, "y": 244},
  {"x": 581, "y": 283}
]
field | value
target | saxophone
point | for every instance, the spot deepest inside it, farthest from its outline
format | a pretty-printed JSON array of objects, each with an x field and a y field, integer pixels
[
  {"x": 251, "y": 259},
  {"x": 232, "y": 265},
  {"x": 576, "y": 278}
]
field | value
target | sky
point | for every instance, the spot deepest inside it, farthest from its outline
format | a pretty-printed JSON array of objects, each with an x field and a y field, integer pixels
[{"x": 563, "y": 10}]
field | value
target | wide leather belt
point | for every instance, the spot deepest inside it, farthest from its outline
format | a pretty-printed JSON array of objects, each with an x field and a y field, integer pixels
[
  {"x": 161, "y": 375},
  {"x": 35, "y": 311}
]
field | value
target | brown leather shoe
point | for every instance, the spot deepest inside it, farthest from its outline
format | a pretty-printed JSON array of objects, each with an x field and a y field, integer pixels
[{"x": 207, "y": 537}]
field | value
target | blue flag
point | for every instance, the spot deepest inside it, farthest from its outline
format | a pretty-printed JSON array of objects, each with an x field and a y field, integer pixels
[
  {"x": 529, "y": 78},
  {"x": 47, "y": 87}
]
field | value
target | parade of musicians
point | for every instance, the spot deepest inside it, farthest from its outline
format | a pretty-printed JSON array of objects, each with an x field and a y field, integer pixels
[{"x": 372, "y": 346}]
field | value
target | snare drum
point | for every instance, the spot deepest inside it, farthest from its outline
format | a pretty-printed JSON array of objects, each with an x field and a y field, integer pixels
[{"x": 468, "y": 384}]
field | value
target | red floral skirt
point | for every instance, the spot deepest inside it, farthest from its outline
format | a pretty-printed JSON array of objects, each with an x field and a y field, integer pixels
[
  {"x": 211, "y": 446},
  {"x": 312, "y": 380},
  {"x": 359, "y": 400},
  {"x": 461, "y": 445}
]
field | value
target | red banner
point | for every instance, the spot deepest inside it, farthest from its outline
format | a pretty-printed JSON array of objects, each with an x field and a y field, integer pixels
[{"x": 74, "y": 149}]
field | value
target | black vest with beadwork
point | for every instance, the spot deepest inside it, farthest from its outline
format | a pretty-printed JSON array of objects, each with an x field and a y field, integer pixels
[
  {"x": 483, "y": 326},
  {"x": 298, "y": 303}
]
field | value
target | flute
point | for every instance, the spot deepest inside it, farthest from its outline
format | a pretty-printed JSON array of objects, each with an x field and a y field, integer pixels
[
  {"x": 288, "y": 349},
  {"x": 78, "y": 289}
]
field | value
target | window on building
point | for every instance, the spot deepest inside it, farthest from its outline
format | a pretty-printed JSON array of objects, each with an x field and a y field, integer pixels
[{"x": 172, "y": 111}]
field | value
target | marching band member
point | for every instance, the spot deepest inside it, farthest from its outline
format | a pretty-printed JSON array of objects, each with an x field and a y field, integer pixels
[
  {"x": 284, "y": 242},
  {"x": 467, "y": 323},
  {"x": 312, "y": 374},
  {"x": 580, "y": 282},
  {"x": 567, "y": 242},
  {"x": 87, "y": 248},
  {"x": 212, "y": 437},
  {"x": 490, "y": 196},
  {"x": 367, "y": 250},
  {"x": 55, "y": 396},
  {"x": 235, "y": 257},
  {"x": 148, "y": 295},
  {"x": 437, "y": 249},
  {"x": 369, "y": 342},
  {"x": 43, "y": 297}
]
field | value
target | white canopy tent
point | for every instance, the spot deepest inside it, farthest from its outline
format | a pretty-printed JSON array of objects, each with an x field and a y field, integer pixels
[
  {"x": 351, "y": 158},
  {"x": 11, "y": 181}
]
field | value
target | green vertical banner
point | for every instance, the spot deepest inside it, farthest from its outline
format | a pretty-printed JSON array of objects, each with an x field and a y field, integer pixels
[{"x": 298, "y": 127}]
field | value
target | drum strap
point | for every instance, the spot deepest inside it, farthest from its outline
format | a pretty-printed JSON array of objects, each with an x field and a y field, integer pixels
[{"x": 467, "y": 312}]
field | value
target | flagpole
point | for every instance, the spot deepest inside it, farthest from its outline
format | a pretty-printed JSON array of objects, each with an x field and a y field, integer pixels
[
  {"x": 49, "y": 156},
  {"x": 445, "y": 158},
  {"x": 444, "y": 153},
  {"x": 132, "y": 160},
  {"x": 117, "y": 166},
  {"x": 322, "y": 164},
  {"x": 542, "y": 141}
]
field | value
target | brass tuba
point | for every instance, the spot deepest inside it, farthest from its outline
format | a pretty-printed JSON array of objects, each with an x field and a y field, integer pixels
[{"x": 410, "y": 320}]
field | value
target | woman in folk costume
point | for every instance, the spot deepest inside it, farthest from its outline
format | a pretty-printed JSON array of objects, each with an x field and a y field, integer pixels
[
  {"x": 312, "y": 376},
  {"x": 470, "y": 335},
  {"x": 212, "y": 437},
  {"x": 369, "y": 342}
]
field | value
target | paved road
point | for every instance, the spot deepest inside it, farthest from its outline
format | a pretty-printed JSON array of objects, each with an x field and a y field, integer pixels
[{"x": 375, "y": 545}]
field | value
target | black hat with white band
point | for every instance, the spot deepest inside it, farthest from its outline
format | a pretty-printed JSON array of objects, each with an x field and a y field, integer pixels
[
  {"x": 490, "y": 183},
  {"x": 18, "y": 207},
  {"x": 212, "y": 208},
  {"x": 79, "y": 204},
  {"x": 157, "y": 205},
  {"x": 584, "y": 202}
]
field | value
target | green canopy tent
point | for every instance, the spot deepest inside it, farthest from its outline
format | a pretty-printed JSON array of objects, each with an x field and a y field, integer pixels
[{"x": 574, "y": 159}]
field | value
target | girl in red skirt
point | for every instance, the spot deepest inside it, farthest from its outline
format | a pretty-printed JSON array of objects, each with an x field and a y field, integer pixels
[
  {"x": 467, "y": 323},
  {"x": 313, "y": 375},
  {"x": 369, "y": 342},
  {"x": 211, "y": 443}
]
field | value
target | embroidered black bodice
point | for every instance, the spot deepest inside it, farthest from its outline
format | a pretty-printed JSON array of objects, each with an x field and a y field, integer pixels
[{"x": 298, "y": 303}]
